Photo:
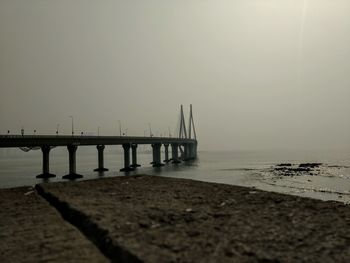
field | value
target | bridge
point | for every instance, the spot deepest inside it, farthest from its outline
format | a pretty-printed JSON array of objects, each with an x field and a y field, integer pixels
[{"x": 183, "y": 148}]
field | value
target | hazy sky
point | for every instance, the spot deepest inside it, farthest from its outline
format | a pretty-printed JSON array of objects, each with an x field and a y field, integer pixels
[{"x": 259, "y": 73}]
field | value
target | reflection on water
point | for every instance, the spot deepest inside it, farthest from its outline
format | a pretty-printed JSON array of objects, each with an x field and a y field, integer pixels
[{"x": 245, "y": 168}]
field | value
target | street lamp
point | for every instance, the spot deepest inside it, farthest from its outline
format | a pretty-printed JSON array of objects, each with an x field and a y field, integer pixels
[
  {"x": 150, "y": 129},
  {"x": 72, "y": 124},
  {"x": 120, "y": 128},
  {"x": 57, "y": 128}
]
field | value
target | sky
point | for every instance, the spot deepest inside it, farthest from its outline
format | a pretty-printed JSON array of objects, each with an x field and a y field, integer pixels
[{"x": 261, "y": 74}]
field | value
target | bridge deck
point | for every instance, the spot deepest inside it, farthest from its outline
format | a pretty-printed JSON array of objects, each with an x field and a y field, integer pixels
[{"x": 8, "y": 141}]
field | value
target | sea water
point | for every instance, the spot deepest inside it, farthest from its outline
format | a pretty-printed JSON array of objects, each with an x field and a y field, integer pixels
[{"x": 244, "y": 168}]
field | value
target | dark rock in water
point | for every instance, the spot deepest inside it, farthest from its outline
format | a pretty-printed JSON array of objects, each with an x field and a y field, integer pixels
[
  {"x": 288, "y": 169},
  {"x": 280, "y": 169},
  {"x": 310, "y": 165},
  {"x": 302, "y": 169},
  {"x": 295, "y": 170},
  {"x": 284, "y": 165}
]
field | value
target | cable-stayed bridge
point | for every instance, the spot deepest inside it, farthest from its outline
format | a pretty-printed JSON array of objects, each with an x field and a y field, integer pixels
[{"x": 183, "y": 147}]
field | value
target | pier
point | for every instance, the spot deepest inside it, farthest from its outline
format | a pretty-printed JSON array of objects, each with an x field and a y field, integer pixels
[
  {"x": 46, "y": 143},
  {"x": 183, "y": 143}
]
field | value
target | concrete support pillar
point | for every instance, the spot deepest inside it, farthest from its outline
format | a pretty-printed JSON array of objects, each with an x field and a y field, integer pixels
[
  {"x": 100, "y": 149},
  {"x": 175, "y": 153},
  {"x": 72, "y": 149},
  {"x": 186, "y": 156},
  {"x": 127, "y": 167},
  {"x": 194, "y": 148},
  {"x": 156, "y": 155},
  {"x": 190, "y": 152},
  {"x": 166, "y": 152},
  {"x": 186, "y": 153},
  {"x": 134, "y": 156},
  {"x": 46, "y": 163},
  {"x": 153, "y": 154}
]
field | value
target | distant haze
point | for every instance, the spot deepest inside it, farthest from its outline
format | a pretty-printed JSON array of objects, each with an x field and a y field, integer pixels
[{"x": 260, "y": 74}]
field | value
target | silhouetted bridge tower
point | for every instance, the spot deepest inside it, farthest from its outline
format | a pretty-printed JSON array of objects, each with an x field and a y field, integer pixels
[{"x": 183, "y": 143}]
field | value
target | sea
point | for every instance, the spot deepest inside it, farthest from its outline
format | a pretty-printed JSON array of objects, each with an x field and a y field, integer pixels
[{"x": 330, "y": 180}]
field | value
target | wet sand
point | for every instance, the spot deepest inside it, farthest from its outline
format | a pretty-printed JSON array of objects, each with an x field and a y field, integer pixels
[{"x": 157, "y": 219}]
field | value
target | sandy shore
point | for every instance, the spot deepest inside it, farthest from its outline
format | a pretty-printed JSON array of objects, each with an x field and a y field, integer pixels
[{"x": 156, "y": 219}]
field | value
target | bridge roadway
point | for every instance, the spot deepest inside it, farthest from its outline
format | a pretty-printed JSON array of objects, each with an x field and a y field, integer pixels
[
  {"x": 8, "y": 141},
  {"x": 46, "y": 142}
]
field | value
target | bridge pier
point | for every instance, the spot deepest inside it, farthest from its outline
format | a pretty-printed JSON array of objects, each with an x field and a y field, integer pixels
[
  {"x": 46, "y": 163},
  {"x": 134, "y": 156},
  {"x": 100, "y": 149},
  {"x": 72, "y": 149},
  {"x": 185, "y": 152},
  {"x": 194, "y": 151},
  {"x": 127, "y": 167},
  {"x": 153, "y": 154},
  {"x": 156, "y": 155},
  {"x": 190, "y": 152},
  {"x": 166, "y": 152},
  {"x": 175, "y": 153}
]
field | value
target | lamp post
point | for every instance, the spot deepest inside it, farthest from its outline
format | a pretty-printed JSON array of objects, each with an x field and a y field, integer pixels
[
  {"x": 150, "y": 129},
  {"x": 57, "y": 128},
  {"x": 120, "y": 128},
  {"x": 72, "y": 124}
]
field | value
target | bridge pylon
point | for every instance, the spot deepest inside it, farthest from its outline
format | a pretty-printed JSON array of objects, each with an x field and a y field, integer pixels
[
  {"x": 188, "y": 150},
  {"x": 191, "y": 126}
]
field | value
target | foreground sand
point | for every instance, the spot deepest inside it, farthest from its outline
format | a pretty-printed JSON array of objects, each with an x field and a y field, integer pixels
[
  {"x": 156, "y": 219},
  {"x": 33, "y": 231}
]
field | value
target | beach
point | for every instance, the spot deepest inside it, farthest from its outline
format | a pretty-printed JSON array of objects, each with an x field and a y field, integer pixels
[{"x": 156, "y": 219}]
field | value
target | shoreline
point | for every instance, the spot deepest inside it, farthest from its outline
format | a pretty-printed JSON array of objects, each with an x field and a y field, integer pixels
[{"x": 160, "y": 219}]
